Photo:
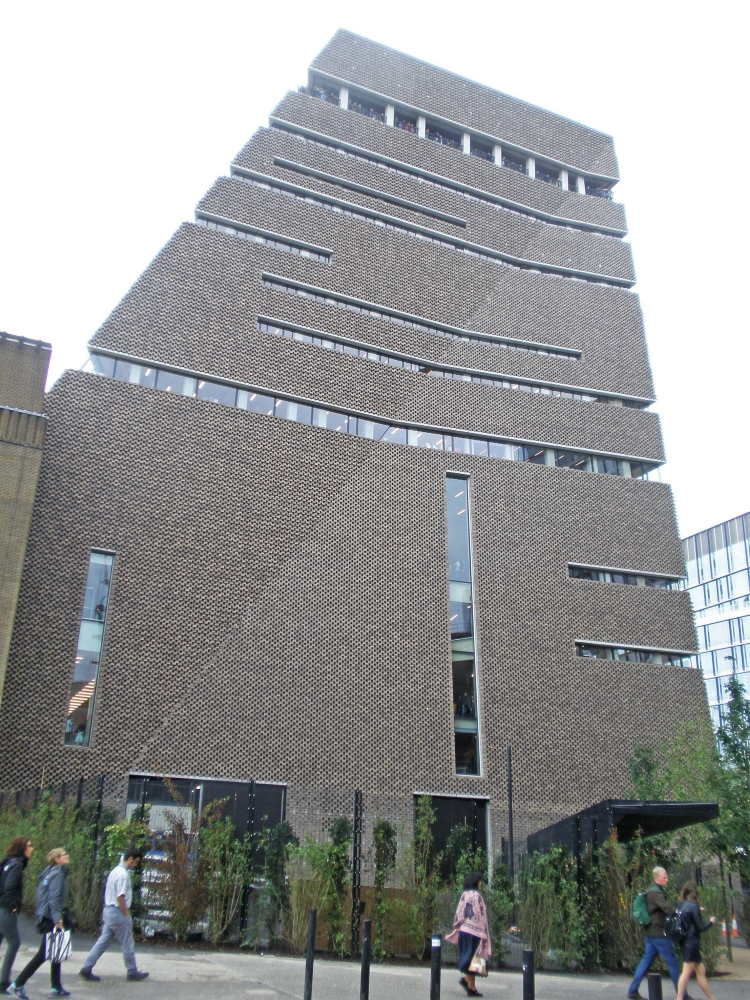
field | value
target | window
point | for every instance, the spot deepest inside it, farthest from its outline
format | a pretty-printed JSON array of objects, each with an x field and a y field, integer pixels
[
  {"x": 664, "y": 657},
  {"x": 461, "y": 624},
  {"x": 514, "y": 163},
  {"x": 89, "y": 650},
  {"x": 615, "y": 576}
]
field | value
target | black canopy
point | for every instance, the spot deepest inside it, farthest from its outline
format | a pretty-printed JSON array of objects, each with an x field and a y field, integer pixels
[{"x": 627, "y": 816}]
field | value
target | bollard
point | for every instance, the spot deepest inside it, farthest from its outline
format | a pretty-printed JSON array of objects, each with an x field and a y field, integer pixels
[
  {"x": 310, "y": 953},
  {"x": 654, "y": 986},
  {"x": 528, "y": 974},
  {"x": 437, "y": 944},
  {"x": 364, "y": 982}
]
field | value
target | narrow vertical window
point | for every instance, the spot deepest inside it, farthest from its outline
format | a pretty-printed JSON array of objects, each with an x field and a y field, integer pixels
[
  {"x": 465, "y": 714},
  {"x": 89, "y": 651}
]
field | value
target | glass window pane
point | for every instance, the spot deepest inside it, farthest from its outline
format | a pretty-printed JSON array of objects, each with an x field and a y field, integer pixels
[
  {"x": 102, "y": 365},
  {"x": 171, "y": 382},
  {"x": 467, "y": 757},
  {"x": 719, "y": 556},
  {"x": 369, "y": 428},
  {"x": 460, "y": 444},
  {"x": 609, "y": 466},
  {"x": 479, "y": 447},
  {"x": 396, "y": 435},
  {"x": 88, "y": 652},
  {"x": 255, "y": 401},
  {"x": 97, "y": 586},
  {"x": 572, "y": 460},
  {"x": 216, "y": 392},
  {"x": 425, "y": 439},
  {"x": 289, "y": 410},
  {"x": 330, "y": 419},
  {"x": 531, "y": 453},
  {"x": 137, "y": 374},
  {"x": 499, "y": 449}
]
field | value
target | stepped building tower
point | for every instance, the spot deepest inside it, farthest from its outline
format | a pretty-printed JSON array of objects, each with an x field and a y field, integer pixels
[{"x": 360, "y": 485}]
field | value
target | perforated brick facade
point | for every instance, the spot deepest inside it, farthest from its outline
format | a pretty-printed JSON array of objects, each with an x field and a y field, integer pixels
[{"x": 279, "y": 602}]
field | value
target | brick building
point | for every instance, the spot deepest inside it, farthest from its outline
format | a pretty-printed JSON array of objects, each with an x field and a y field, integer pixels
[{"x": 358, "y": 488}]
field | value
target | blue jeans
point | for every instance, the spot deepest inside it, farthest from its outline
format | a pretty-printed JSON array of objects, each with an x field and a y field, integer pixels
[
  {"x": 656, "y": 946},
  {"x": 114, "y": 925}
]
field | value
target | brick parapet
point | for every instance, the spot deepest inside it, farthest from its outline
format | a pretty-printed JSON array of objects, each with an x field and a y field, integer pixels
[
  {"x": 350, "y": 57},
  {"x": 357, "y": 130},
  {"x": 497, "y": 228}
]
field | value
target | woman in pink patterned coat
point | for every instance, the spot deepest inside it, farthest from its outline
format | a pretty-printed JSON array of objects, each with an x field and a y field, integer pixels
[{"x": 471, "y": 931}]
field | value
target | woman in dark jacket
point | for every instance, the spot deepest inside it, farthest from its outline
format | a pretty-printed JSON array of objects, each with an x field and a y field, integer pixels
[
  {"x": 17, "y": 855},
  {"x": 51, "y": 914},
  {"x": 691, "y": 946}
]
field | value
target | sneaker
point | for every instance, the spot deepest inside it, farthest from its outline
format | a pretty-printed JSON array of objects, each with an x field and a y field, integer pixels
[
  {"x": 88, "y": 974},
  {"x": 58, "y": 991},
  {"x": 17, "y": 991},
  {"x": 136, "y": 977}
]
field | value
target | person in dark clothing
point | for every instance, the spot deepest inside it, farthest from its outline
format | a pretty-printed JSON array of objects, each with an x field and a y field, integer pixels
[
  {"x": 692, "y": 922},
  {"x": 17, "y": 855},
  {"x": 51, "y": 914},
  {"x": 657, "y": 942}
]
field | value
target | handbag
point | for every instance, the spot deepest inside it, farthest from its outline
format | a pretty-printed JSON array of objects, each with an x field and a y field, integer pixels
[
  {"x": 478, "y": 967},
  {"x": 57, "y": 947}
]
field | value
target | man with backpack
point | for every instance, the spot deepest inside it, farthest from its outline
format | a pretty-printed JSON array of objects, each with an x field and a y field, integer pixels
[
  {"x": 651, "y": 909},
  {"x": 17, "y": 855}
]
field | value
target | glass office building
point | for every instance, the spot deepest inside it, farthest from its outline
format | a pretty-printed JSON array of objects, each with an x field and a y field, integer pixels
[{"x": 718, "y": 581}]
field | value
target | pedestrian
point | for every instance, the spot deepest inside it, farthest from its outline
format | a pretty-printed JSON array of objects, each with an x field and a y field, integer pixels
[
  {"x": 471, "y": 933},
  {"x": 116, "y": 919},
  {"x": 693, "y": 924},
  {"x": 657, "y": 942},
  {"x": 50, "y": 913},
  {"x": 17, "y": 855}
]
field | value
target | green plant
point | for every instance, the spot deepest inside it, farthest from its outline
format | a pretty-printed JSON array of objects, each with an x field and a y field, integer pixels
[
  {"x": 226, "y": 863},
  {"x": 385, "y": 847},
  {"x": 329, "y": 862},
  {"x": 550, "y": 916},
  {"x": 279, "y": 844},
  {"x": 420, "y": 875},
  {"x": 500, "y": 897}
]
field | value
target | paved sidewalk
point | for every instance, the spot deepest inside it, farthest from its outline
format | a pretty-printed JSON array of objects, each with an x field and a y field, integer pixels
[{"x": 182, "y": 974}]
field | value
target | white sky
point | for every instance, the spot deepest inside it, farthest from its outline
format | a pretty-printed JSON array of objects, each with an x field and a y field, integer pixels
[{"x": 115, "y": 118}]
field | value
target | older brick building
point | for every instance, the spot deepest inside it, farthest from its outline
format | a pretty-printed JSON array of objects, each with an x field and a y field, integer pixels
[{"x": 356, "y": 493}]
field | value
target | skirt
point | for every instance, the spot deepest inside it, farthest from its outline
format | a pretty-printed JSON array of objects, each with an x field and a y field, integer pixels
[
  {"x": 691, "y": 949},
  {"x": 467, "y": 945}
]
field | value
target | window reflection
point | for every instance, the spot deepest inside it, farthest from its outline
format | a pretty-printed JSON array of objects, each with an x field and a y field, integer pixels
[
  {"x": 172, "y": 382},
  {"x": 461, "y": 623},
  {"x": 136, "y": 374},
  {"x": 89, "y": 650}
]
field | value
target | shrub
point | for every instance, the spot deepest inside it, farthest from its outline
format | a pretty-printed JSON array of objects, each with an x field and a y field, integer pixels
[
  {"x": 384, "y": 846},
  {"x": 226, "y": 863},
  {"x": 550, "y": 917}
]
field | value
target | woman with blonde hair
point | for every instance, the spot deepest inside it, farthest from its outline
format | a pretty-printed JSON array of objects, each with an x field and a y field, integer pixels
[
  {"x": 692, "y": 923},
  {"x": 50, "y": 914}
]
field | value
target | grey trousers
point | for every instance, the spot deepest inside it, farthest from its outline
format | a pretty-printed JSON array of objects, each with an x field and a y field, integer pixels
[
  {"x": 9, "y": 931},
  {"x": 114, "y": 925}
]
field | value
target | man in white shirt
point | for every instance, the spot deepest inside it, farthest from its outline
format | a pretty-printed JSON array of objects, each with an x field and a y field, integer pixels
[{"x": 116, "y": 919}]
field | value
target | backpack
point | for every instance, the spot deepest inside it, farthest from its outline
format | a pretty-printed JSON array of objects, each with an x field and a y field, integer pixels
[
  {"x": 640, "y": 910},
  {"x": 674, "y": 927},
  {"x": 41, "y": 903}
]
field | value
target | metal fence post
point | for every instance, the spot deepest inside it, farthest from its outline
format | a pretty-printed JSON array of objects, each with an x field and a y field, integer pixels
[
  {"x": 356, "y": 870},
  {"x": 654, "y": 986},
  {"x": 528, "y": 974},
  {"x": 310, "y": 953},
  {"x": 437, "y": 944},
  {"x": 364, "y": 981}
]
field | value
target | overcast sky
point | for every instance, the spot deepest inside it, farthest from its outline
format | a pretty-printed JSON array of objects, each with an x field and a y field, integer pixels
[{"x": 115, "y": 118}]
